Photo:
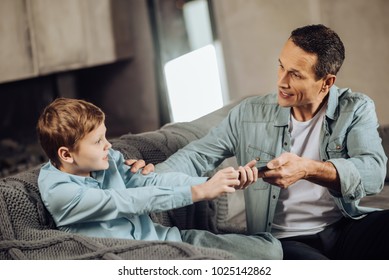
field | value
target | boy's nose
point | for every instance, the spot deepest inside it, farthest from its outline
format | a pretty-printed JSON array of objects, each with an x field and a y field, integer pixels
[{"x": 109, "y": 145}]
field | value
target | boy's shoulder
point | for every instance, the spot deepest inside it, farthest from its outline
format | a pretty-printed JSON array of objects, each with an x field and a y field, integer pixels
[{"x": 50, "y": 176}]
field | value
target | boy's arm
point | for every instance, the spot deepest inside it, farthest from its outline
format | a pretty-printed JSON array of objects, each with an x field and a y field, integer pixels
[{"x": 70, "y": 203}]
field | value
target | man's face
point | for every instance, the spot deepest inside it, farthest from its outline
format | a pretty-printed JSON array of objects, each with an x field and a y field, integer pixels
[
  {"x": 92, "y": 153},
  {"x": 298, "y": 86}
]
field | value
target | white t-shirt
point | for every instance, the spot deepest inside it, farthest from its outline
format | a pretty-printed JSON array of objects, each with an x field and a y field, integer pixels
[{"x": 304, "y": 207}]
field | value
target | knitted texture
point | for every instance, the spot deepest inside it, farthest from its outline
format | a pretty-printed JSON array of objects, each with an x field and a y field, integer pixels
[{"x": 27, "y": 231}]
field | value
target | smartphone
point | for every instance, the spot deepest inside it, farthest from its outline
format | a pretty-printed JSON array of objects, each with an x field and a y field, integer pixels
[{"x": 263, "y": 168}]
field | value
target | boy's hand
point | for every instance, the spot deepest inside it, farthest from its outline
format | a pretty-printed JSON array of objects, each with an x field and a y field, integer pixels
[
  {"x": 137, "y": 164},
  {"x": 248, "y": 174},
  {"x": 224, "y": 181}
]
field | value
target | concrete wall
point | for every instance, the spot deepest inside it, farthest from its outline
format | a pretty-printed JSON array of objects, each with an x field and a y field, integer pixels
[{"x": 252, "y": 33}]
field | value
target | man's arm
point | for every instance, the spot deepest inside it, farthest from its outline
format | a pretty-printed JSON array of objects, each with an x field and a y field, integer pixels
[
  {"x": 205, "y": 154},
  {"x": 359, "y": 172}
]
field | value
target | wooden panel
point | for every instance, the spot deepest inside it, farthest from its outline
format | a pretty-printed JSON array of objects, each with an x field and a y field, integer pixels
[
  {"x": 15, "y": 49},
  {"x": 122, "y": 25},
  {"x": 108, "y": 30},
  {"x": 58, "y": 34},
  {"x": 99, "y": 35}
]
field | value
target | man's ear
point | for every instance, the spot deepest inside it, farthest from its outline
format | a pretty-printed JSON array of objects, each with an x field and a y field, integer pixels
[
  {"x": 328, "y": 82},
  {"x": 65, "y": 155}
]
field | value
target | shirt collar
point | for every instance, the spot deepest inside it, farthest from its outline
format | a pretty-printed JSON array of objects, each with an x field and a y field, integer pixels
[{"x": 333, "y": 101}]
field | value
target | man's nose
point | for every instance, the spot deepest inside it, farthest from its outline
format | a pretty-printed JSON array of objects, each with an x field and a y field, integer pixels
[{"x": 283, "y": 80}]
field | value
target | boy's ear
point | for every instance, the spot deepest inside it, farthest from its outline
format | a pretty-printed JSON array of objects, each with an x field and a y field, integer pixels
[{"x": 65, "y": 155}]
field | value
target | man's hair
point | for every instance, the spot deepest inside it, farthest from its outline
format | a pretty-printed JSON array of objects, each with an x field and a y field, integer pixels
[
  {"x": 325, "y": 43},
  {"x": 64, "y": 122}
]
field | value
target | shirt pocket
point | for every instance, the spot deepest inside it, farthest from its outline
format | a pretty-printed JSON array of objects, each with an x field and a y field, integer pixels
[{"x": 337, "y": 148}]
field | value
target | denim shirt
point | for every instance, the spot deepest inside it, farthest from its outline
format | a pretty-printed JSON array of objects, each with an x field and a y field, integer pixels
[
  {"x": 114, "y": 202},
  {"x": 258, "y": 128}
]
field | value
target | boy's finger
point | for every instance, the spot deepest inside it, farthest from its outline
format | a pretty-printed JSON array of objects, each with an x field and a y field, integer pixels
[
  {"x": 255, "y": 173},
  {"x": 251, "y": 163}
]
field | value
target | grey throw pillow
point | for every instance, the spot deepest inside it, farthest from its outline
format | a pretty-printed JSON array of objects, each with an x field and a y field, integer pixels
[{"x": 384, "y": 133}]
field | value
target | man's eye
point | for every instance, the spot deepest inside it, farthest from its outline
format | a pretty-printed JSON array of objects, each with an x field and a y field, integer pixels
[{"x": 296, "y": 75}]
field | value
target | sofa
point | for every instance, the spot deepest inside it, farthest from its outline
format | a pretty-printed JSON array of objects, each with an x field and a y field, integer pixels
[{"x": 27, "y": 230}]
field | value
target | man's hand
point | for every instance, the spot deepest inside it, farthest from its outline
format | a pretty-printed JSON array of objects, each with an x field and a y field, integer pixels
[
  {"x": 224, "y": 181},
  {"x": 288, "y": 168},
  {"x": 284, "y": 170},
  {"x": 137, "y": 164},
  {"x": 248, "y": 174}
]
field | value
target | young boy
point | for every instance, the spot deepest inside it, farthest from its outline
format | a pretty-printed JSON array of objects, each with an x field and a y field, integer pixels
[{"x": 88, "y": 189}]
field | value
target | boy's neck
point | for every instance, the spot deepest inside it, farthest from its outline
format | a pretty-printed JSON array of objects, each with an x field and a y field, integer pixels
[{"x": 68, "y": 169}]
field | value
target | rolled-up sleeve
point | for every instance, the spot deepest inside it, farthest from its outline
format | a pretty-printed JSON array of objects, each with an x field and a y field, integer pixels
[{"x": 363, "y": 171}]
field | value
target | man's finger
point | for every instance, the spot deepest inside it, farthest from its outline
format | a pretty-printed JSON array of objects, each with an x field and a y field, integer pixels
[
  {"x": 130, "y": 161},
  {"x": 137, "y": 165}
]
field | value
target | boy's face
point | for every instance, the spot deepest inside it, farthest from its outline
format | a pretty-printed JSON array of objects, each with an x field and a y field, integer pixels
[{"x": 92, "y": 153}]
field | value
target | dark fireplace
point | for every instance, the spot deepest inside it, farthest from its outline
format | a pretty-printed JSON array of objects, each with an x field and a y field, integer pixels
[{"x": 21, "y": 104}]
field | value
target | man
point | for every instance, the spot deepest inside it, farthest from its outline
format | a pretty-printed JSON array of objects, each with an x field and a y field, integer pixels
[{"x": 321, "y": 151}]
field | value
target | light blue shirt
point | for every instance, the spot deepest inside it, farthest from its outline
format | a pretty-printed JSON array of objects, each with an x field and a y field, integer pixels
[
  {"x": 114, "y": 202},
  {"x": 258, "y": 128}
]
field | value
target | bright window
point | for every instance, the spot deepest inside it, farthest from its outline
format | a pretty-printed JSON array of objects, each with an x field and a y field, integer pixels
[{"x": 193, "y": 84}]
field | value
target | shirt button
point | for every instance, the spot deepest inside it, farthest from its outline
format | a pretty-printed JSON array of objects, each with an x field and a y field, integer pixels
[
  {"x": 338, "y": 147},
  {"x": 285, "y": 143},
  {"x": 274, "y": 197},
  {"x": 257, "y": 158}
]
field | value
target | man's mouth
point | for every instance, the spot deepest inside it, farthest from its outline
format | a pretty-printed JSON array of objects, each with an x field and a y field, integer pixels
[{"x": 284, "y": 94}]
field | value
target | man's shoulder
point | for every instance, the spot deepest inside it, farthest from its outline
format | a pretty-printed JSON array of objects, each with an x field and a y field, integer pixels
[
  {"x": 259, "y": 102},
  {"x": 349, "y": 94},
  {"x": 270, "y": 99},
  {"x": 259, "y": 107},
  {"x": 348, "y": 97}
]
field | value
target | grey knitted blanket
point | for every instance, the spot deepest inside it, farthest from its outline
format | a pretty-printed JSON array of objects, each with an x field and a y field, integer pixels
[{"x": 27, "y": 230}]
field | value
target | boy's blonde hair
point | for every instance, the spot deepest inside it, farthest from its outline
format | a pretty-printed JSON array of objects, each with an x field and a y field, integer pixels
[{"x": 64, "y": 123}]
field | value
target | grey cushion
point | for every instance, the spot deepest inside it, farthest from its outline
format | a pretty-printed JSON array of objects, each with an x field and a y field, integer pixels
[{"x": 384, "y": 133}]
